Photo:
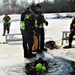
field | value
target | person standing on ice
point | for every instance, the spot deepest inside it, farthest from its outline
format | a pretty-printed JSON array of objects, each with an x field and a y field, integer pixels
[
  {"x": 72, "y": 32},
  {"x": 7, "y": 21},
  {"x": 27, "y": 27},
  {"x": 39, "y": 20}
]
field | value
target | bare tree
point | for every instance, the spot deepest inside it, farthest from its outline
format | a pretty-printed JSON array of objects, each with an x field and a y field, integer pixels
[
  {"x": 6, "y": 5},
  {"x": 24, "y": 3},
  {"x": 46, "y": 0},
  {"x": 14, "y": 5},
  {"x": 33, "y": 1}
]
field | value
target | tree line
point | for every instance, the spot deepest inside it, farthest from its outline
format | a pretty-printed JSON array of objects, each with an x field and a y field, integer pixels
[{"x": 56, "y": 6}]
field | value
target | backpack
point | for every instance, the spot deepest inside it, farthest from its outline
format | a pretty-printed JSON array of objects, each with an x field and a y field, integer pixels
[{"x": 51, "y": 45}]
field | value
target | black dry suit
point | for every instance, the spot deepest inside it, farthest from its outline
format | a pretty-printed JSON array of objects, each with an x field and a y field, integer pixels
[
  {"x": 27, "y": 27},
  {"x": 39, "y": 20},
  {"x": 72, "y": 30}
]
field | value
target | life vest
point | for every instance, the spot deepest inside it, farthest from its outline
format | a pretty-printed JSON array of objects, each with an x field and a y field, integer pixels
[
  {"x": 29, "y": 21},
  {"x": 6, "y": 19},
  {"x": 39, "y": 20}
]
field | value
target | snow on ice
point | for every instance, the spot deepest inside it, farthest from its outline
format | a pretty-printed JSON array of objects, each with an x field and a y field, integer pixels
[{"x": 12, "y": 61}]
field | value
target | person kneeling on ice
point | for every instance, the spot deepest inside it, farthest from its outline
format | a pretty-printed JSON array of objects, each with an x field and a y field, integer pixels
[{"x": 72, "y": 33}]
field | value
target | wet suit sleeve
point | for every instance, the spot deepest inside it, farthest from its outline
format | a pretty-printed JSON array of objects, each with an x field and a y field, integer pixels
[
  {"x": 46, "y": 23},
  {"x": 9, "y": 21},
  {"x": 3, "y": 20},
  {"x": 43, "y": 18},
  {"x": 22, "y": 24},
  {"x": 71, "y": 25}
]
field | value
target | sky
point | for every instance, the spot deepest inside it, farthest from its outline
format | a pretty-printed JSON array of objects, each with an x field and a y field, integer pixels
[{"x": 36, "y": 1}]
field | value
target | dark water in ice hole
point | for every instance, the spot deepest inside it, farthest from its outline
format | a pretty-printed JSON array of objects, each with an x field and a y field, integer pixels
[{"x": 57, "y": 66}]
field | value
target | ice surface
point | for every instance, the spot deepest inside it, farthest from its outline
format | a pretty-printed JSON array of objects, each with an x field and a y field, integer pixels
[{"x": 12, "y": 53}]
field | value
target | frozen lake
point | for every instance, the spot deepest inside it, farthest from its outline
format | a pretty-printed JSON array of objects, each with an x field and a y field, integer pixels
[{"x": 11, "y": 54}]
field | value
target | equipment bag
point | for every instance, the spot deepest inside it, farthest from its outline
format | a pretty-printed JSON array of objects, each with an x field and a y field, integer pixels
[{"x": 35, "y": 44}]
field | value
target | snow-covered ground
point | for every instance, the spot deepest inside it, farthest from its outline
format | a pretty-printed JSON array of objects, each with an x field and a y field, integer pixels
[
  {"x": 52, "y": 31},
  {"x": 12, "y": 53}
]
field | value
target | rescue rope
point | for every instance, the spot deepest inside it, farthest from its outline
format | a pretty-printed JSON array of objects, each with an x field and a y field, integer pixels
[{"x": 51, "y": 38}]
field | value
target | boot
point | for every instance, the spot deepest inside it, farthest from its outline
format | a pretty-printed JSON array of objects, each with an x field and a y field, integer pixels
[
  {"x": 69, "y": 46},
  {"x": 39, "y": 51},
  {"x": 3, "y": 35},
  {"x": 33, "y": 55},
  {"x": 44, "y": 49},
  {"x": 27, "y": 54}
]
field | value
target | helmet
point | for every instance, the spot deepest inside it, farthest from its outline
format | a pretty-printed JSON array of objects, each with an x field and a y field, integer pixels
[
  {"x": 38, "y": 5},
  {"x": 38, "y": 67},
  {"x": 32, "y": 7},
  {"x": 44, "y": 69}
]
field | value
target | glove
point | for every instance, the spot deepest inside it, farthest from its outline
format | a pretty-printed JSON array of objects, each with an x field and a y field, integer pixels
[
  {"x": 6, "y": 22},
  {"x": 46, "y": 23},
  {"x": 23, "y": 32}
]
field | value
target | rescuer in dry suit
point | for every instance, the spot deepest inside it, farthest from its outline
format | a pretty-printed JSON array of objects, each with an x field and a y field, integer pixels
[
  {"x": 72, "y": 32},
  {"x": 27, "y": 27},
  {"x": 39, "y": 28}
]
